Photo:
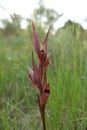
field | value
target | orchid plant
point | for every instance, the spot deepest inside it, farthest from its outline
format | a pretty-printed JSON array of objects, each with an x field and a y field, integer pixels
[{"x": 38, "y": 73}]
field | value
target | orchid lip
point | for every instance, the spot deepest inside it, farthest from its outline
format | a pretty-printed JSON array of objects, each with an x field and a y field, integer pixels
[{"x": 47, "y": 91}]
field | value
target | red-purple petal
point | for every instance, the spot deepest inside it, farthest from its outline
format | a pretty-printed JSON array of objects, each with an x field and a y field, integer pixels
[
  {"x": 37, "y": 74},
  {"x": 35, "y": 69},
  {"x": 36, "y": 39}
]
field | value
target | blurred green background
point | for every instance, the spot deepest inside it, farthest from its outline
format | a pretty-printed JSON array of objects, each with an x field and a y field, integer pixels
[{"x": 67, "y": 74}]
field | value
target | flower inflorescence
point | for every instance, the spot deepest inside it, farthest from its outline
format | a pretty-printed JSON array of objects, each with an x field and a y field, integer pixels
[{"x": 38, "y": 74}]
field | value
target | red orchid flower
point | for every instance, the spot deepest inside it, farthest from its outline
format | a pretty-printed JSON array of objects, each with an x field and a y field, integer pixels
[
  {"x": 45, "y": 91},
  {"x": 38, "y": 73},
  {"x": 34, "y": 75},
  {"x": 41, "y": 52}
]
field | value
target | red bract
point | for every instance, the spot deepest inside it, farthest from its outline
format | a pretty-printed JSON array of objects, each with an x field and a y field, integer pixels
[
  {"x": 35, "y": 75},
  {"x": 38, "y": 72}
]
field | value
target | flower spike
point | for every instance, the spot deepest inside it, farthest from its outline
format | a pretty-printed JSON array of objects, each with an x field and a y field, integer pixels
[{"x": 38, "y": 74}]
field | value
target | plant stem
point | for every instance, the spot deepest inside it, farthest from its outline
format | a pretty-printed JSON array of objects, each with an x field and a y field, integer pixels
[
  {"x": 42, "y": 112},
  {"x": 43, "y": 118}
]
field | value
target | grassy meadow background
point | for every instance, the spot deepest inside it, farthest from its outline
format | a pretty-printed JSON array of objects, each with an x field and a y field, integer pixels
[{"x": 66, "y": 108}]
